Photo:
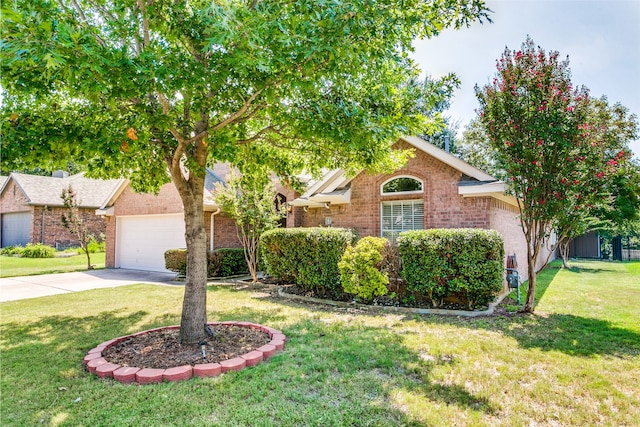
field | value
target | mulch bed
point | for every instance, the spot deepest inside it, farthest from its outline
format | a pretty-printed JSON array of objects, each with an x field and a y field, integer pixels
[
  {"x": 162, "y": 349},
  {"x": 386, "y": 300}
]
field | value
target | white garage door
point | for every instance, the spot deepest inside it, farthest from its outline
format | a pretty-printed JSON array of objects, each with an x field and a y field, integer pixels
[{"x": 142, "y": 240}]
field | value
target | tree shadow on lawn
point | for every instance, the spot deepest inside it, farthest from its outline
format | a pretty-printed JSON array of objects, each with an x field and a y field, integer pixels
[
  {"x": 349, "y": 373},
  {"x": 570, "y": 334},
  {"x": 376, "y": 355},
  {"x": 59, "y": 343}
]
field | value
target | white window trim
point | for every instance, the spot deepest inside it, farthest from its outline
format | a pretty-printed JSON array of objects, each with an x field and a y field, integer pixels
[{"x": 401, "y": 192}]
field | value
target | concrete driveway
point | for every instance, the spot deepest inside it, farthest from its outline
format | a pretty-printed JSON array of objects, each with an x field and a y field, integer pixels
[{"x": 23, "y": 287}]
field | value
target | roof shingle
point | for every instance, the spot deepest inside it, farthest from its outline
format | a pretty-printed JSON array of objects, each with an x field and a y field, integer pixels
[{"x": 46, "y": 190}]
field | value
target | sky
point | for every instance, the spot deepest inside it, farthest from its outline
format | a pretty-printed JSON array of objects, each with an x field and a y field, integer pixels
[{"x": 601, "y": 38}]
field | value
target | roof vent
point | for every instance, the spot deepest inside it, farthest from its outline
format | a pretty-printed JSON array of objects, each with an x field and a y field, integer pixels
[{"x": 60, "y": 174}]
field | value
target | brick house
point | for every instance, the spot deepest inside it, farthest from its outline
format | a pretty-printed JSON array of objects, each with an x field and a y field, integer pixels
[
  {"x": 31, "y": 208},
  {"x": 141, "y": 227},
  {"x": 433, "y": 190}
]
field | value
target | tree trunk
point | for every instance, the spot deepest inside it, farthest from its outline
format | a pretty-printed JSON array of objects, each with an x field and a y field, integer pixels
[
  {"x": 86, "y": 251},
  {"x": 194, "y": 306},
  {"x": 251, "y": 255},
  {"x": 531, "y": 292},
  {"x": 564, "y": 252}
]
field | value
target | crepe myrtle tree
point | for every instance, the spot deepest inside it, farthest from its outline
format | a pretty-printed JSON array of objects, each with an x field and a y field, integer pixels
[
  {"x": 250, "y": 200},
  {"x": 552, "y": 151},
  {"x": 72, "y": 220},
  {"x": 156, "y": 90}
]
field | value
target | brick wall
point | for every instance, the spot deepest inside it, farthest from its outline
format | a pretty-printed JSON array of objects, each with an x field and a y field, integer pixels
[
  {"x": 13, "y": 199},
  {"x": 224, "y": 232},
  {"x": 443, "y": 207},
  {"x": 55, "y": 234}
]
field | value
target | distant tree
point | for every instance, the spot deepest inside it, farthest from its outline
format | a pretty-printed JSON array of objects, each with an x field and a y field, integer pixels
[
  {"x": 440, "y": 129},
  {"x": 71, "y": 168},
  {"x": 250, "y": 199},
  {"x": 72, "y": 221},
  {"x": 613, "y": 203},
  {"x": 157, "y": 90},
  {"x": 475, "y": 149},
  {"x": 552, "y": 151},
  {"x": 622, "y": 215}
]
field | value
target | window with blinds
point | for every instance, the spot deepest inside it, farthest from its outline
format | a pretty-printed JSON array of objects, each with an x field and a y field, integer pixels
[{"x": 401, "y": 216}]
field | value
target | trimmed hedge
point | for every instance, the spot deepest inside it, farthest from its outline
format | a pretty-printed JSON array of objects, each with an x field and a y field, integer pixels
[
  {"x": 222, "y": 262},
  {"x": 225, "y": 262},
  {"x": 176, "y": 260},
  {"x": 444, "y": 262},
  {"x": 360, "y": 268},
  {"x": 306, "y": 256}
]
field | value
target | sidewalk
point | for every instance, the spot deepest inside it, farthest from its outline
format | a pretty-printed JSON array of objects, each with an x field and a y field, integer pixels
[{"x": 23, "y": 287}]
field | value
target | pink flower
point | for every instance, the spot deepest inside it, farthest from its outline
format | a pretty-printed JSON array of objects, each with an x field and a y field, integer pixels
[
  {"x": 539, "y": 142},
  {"x": 570, "y": 108}
]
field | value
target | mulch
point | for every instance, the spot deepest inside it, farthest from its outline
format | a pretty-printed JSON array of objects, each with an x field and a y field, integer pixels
[{"x": 162, "y": 349}]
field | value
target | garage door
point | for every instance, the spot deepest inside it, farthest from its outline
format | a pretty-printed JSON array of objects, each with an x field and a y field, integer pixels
[
  {"x": 142, "y": 240},
  {"x": 15, "y": 228}
]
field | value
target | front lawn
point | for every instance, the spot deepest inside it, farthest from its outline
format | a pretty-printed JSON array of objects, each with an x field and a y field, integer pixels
[
  {"x": 575, "y": 363},
  {"x": 17, "y": 266}
]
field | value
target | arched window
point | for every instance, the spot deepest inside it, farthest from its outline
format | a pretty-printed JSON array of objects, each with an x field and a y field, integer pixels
[{"x": 402, "y": 185}]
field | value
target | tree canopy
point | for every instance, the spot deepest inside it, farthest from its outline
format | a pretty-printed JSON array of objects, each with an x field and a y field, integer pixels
[{"x": 155, "y": 90}]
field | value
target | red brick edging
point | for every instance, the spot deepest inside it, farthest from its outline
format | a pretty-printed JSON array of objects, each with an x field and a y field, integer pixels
[{"x": 97, "y": 364}]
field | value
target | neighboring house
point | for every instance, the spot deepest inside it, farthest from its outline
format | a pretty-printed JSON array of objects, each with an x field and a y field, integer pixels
[
  {"x": 433, "y": 190},
  {"x": 31, "y": 207}
]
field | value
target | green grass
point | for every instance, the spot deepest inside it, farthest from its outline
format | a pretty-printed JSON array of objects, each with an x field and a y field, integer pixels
[
  {"x": 575, "y": 363},
  {"x": 15, "y": 266}
]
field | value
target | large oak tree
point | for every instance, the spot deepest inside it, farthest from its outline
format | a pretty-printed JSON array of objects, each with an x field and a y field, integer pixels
[{"x": 155, "y": 90}]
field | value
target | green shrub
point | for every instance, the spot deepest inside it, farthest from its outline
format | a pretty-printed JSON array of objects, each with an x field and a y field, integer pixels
[
  {"x": 306, "y": 256},
  {"x": 96, "y": 245},
  {"x": 441, "y": 262},
  {"x": 176, "y": 260},
  {"x": 38, "y": 250},
  {"x": 226, "y": 262},
  {"x": 11, "y": 250},
  {"x": 360, "y": 268},
  {"x": 222, "y": 262}
]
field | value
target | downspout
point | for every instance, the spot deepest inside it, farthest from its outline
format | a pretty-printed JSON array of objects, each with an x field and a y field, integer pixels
[
  {"x": 211, "y": 245},
  {"x": 44, "y": 208}
]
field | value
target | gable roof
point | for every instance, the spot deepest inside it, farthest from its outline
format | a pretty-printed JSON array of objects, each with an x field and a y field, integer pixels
[
  {"x": 448, "y": 158},
  {"x": 334, "y": 187},
  {"x": 46, "y": 190}
]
